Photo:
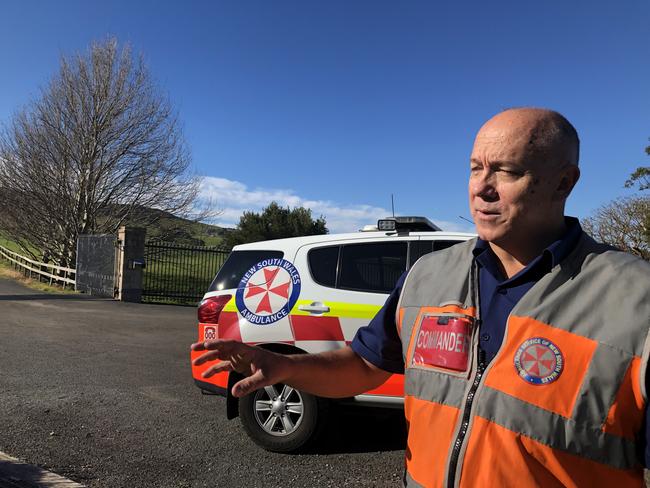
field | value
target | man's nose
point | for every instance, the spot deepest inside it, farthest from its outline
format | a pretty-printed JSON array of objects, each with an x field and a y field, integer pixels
[{"x": 482, "y": 185}]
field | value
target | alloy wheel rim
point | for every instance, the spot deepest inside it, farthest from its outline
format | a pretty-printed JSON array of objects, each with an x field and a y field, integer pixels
[{"x": 278, "y": 409}]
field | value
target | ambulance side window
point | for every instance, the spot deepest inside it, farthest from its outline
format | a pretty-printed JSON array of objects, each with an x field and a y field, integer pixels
[
  {"x": 372, "y": 267},
  {"x": 323, "y": 263}
]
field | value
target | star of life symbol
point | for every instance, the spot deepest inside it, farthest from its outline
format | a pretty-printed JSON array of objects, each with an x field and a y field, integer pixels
[
  {"x": 268, "y": 291},
  {"x": 538, "y": 361}
]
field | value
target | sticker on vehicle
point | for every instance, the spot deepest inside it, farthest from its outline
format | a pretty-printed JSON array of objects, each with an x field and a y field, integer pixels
[
  {"x": 268, "y": 291},
  {"x": 209, "y": 333}
]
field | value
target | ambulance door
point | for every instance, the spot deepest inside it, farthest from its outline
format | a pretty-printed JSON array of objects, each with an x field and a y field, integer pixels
[{"x": 348, "y": 283}]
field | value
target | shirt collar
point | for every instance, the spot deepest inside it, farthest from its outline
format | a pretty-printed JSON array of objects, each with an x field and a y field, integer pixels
[{"x": 549, "y": 257}]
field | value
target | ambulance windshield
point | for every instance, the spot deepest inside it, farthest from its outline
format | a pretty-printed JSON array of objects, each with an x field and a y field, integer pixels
[{"x": 236, "y": 266}]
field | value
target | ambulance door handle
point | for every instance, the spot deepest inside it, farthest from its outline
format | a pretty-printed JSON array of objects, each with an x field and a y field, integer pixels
[{"x": 315, "y": 308}]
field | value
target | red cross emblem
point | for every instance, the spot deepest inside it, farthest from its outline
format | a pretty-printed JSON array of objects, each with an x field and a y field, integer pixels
[
  {"x": 538, "y": 361},
  {"x": 272, "y": 286}
]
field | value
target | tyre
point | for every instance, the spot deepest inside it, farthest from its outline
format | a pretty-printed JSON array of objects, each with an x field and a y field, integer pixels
[{"x": 279, "y": 418}]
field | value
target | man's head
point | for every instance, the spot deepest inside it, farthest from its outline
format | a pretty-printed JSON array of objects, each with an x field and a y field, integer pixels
[{"x": 523, "y": 167}]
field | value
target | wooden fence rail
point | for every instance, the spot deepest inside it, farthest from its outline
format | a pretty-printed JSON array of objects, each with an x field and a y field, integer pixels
[{"x": 24, "y": 263}]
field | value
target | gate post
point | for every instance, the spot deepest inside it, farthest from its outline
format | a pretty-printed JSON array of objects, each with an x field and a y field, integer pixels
[{"x": 130, "y": 262}]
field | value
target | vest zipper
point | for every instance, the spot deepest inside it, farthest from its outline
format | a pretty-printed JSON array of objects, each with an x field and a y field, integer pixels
[{"x": 462, "y": 432}]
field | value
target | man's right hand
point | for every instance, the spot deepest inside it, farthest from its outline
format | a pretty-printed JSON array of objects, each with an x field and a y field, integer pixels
[
  {"x": 260, "y": 367},
  {"x": 334, "y": 374}
]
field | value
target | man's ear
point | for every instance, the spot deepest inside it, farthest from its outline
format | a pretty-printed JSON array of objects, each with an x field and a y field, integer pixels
[{"x": 568, "y": 179}]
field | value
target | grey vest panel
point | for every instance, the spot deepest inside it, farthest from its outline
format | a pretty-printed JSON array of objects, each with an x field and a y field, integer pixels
[
  {"x": 605, "y": 374},
  {"x": 440, "y": 277},
  {"x": 436, "y": 279},
  {"x": 447, "y": 389},
  {"x": 597, "y": 293}
]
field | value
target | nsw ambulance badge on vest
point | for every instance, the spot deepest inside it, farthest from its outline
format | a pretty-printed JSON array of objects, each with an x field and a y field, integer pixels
[{"x": 538, "y": 361}]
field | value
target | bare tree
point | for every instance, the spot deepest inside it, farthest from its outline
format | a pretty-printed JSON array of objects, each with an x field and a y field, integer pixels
[
  {"x": 99, "y": 145},
  {"x": 623, "y": 223}
]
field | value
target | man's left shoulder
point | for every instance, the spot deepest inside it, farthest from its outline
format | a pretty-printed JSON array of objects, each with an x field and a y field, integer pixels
[{"x": 618, "y": 262}]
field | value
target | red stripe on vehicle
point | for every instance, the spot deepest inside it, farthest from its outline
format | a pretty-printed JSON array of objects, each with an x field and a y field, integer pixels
[
  {"x": 393, "y": 386},
  {"x": 306, "y": 328}
]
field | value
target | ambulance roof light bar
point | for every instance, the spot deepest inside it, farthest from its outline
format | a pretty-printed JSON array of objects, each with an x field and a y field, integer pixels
[{"x": 406, "y": 224}]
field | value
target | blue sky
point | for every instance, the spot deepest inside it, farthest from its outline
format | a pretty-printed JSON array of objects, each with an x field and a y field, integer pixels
[{"x": 337, "y": 104}]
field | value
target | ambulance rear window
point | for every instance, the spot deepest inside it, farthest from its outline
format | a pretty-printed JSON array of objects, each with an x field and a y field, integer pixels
[
  {"x": 323, "y": 263},
  {"x": 236, "y": 265}
]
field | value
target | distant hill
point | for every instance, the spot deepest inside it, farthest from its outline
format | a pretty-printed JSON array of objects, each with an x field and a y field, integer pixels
[{"x": 164, "y": 226}]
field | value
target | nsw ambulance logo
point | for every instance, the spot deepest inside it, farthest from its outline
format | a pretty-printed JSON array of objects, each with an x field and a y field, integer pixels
[
  {"x": 538, "y": 361},
  {"x": 268, "y": 291}
]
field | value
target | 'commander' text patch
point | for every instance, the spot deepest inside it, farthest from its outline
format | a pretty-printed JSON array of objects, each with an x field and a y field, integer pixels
[{"x": 443, "y": 341}]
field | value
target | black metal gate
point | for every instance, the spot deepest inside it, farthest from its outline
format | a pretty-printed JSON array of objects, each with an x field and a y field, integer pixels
[
  {"x": 179, "y": 274},
  {"x": 95, "y": 269}
]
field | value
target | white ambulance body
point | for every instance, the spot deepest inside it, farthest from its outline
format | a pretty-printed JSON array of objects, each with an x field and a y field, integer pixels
[{"x": 307, "y": 295}]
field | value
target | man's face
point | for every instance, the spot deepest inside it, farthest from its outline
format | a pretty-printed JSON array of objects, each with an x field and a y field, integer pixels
[{"x": 512, "y": 196}]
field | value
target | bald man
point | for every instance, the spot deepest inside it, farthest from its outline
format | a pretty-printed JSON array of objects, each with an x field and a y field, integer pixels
[{"x": 544, "y": 382}]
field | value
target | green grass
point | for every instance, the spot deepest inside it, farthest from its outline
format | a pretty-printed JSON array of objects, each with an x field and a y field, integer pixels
[
  {"x": 175, "y": 272},
  {"x": 212, "y": 241},
  {"x": 7, "y": 271},
  {"x": 12, "y": 246}
]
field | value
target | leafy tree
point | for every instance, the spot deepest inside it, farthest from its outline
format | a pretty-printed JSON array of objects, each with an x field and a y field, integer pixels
[
  {"x": 641, "y": 176},
  {"x": 97, "y": 145},
  {"x": 275, "y": 222}
]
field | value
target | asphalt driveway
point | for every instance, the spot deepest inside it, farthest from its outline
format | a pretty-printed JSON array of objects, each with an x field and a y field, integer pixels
[{"x": 101, "y": 392}]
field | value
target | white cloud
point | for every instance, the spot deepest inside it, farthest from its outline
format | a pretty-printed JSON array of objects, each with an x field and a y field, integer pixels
[{"x": 232, "y": 198}]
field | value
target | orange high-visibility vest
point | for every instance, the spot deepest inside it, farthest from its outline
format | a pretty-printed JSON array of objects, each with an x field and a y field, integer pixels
[{"x": 563, "y": 400}]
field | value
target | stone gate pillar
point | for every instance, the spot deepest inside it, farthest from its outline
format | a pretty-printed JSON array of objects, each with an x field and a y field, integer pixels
[{"x": 130, "y": 263}]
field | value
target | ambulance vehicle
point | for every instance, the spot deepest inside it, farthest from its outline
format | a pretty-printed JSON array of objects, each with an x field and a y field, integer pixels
[{"x": 307, "y": 295}]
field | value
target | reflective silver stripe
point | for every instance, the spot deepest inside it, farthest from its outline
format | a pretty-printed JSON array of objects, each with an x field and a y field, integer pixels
[
  {"x": 448, "y": 269},
  {"x": 410, "y": 482},
  {"x": 557, "y": 432},
  {"x": 605, "y": 375},
  {"x": 433, "y": 386},
  {"x": 399, "y": 300},
  {"x": 409, "y": 318}
]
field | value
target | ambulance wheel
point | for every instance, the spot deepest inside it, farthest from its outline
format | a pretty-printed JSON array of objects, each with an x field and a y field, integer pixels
[{"x": 279, "y": 418}]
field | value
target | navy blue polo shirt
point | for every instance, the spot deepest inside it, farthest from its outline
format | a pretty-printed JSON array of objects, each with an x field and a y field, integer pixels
[
  {"x": 499, "y": 295},
  {"x": 379, "y": 342}
]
